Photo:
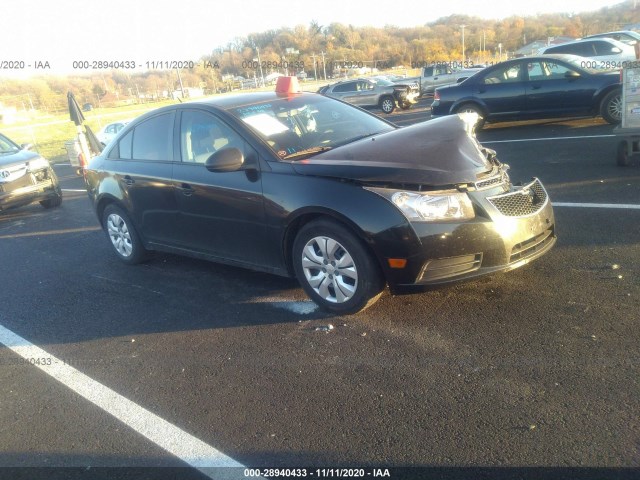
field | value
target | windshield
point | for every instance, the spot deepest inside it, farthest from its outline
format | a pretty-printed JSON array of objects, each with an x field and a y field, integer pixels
[
  {"x": 301, "y": 126},
  {"x": 7, "y": 146}
]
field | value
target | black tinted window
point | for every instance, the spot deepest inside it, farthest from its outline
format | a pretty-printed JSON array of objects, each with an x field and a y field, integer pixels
[
  {"x": 153, "y": 139},
  {"x": 605, "y": 48},
  {"x": 122, "y": 149},
  {"x": 345, "y": 87}
]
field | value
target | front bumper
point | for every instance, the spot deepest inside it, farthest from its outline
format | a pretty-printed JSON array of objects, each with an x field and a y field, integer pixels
[
  {"x": 31, "y": 187},
  {"x": 511, "y": 229}
]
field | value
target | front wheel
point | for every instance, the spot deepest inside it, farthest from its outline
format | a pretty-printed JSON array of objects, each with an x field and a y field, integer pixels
[
  {"x": 123, "y": 236},
  {"x": 387, "y": 104},
  {"x": 52, "y": 202},
  {"x": 335, "y": 269},
  {"x": 611, "y": 107}
]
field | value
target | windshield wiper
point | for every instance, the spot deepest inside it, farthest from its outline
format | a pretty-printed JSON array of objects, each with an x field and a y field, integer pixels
[{"x": 308, "y": 151}]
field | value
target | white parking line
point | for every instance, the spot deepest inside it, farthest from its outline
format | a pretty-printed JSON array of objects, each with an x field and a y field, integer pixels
[
  {"x": 624, "y": 206},
  {"x": 186, "y": 447},
  {"x": 546, "y": 138}
]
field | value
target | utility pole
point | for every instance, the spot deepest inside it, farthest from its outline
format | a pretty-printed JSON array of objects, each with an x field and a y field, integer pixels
[
  {"x": 180, "y": 80},
  {"x": 463, "y": 58},
  {"x": 324, "y": 68},
  {"x": 260, "y": 65},
  {"x": 315, "y": 72}
]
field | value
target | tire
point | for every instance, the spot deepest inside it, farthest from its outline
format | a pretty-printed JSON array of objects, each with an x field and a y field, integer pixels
[
  {"x": 622, "y": 155},
  {"x": 387, "y": 104},
  {"x": 335, "y": 269},
  {"x": 472, "y": 108},
  {"x": 52, "y": 202},
  {"x": 611, "y": 107},
  {"x": 122, "y": 235},
  {"x": 406, "y": 106}
]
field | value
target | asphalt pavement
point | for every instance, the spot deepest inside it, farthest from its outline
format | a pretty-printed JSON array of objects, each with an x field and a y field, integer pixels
[{"x": 528, "y": 374}]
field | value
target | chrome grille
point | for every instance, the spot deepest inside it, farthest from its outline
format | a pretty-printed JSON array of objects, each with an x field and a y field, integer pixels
[
  {"x": 522, "y": 202},
  {"x": 502, "y": 178},
  {"x": 489, "y": 182}
]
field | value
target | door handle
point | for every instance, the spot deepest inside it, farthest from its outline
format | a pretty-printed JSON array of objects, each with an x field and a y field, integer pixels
[
  {"x": 536, "y": 87},
  {"x": 187, "y": 190},
  {"x": 482, "y": 90},
  {"x": 128, "y": 181}
]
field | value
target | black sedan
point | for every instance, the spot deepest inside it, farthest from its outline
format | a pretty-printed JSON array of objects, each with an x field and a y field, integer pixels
[
  {"x": 307, "y": 186},
  {"x": 26, "y": 177},
  {"x": 548, "y": 86}
]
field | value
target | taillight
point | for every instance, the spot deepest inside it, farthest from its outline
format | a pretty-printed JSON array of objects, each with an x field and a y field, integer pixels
[{"x": 436, "y": 95}]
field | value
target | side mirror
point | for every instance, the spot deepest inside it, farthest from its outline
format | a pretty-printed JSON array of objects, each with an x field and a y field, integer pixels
[
  {"x": 225, "y": 160},
  {"x": 571, "y": 74},
  {"x": 26, "y": 146}
]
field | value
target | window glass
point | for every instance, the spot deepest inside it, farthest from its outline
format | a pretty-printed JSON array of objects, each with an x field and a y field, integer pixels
[
  {"x": 345, "y": 87},
  {"x": 586, "y": 49},
  {"x": 547, "y": 70},
  {"x": 122, "y": 149},
  {"x": 202, "y": 134},
  {"x": 506, "y": 74},
  {"x": 152, "y": 139},
  {"x": 299, "y": 127},
  {"x": 604, "y": 48}
]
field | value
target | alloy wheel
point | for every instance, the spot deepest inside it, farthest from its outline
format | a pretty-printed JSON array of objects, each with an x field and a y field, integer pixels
[
  {"x": 119, "y": 235},
  {"x": 329, "y": 269}
]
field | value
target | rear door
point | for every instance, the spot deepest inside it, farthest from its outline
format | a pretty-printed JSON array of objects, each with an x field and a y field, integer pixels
[
  {"x": 347, "y": 91},
  {"x": 142, "y": 162},
  {"x": 502, "y": 89}
]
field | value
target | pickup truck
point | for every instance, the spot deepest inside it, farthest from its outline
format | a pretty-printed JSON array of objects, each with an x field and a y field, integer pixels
[{"x": 437, "y": 75}]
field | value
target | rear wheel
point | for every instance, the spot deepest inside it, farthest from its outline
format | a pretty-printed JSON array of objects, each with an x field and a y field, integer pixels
[
  {"x": 335, "y": 269},
  {"x": 611, "y": 107},
  {"x": 123, "y": 236},
  {"x": 387, "y": 104},
  {"x": 472, "y": 108}
]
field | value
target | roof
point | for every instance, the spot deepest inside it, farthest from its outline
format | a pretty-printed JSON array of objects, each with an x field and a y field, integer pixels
[{"x": 534, "y": 47}]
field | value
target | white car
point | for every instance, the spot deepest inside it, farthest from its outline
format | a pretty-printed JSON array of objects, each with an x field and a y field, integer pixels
[
  {"x": 625, "y": 36},
  {"x": 603, "y": 53},
  {"x": 110, "y": 130}
]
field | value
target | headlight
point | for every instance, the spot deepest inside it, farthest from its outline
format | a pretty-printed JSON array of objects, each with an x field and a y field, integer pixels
[
  {"x": 38, "y": 164},
  {"x": 431, "y": 206}
]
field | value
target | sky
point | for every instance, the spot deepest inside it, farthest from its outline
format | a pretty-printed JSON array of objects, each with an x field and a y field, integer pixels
[{"x": 63, "y": 31}]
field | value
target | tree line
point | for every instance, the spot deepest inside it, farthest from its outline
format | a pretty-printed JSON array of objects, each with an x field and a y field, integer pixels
[{"x": 320, "y": 51}]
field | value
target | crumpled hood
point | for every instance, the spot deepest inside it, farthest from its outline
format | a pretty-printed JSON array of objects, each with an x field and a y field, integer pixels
[
  {"x": 435, "y": 153},
  {"x": 21, "y": 156}
]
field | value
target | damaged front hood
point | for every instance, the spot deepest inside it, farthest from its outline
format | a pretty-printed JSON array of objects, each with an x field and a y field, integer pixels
[
  {"x": 19, "y": 156},
  {"x": 435, "y": 153}
]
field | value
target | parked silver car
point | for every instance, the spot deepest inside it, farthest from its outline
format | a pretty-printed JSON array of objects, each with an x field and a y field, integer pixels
[{"x": 374, "y": 92}]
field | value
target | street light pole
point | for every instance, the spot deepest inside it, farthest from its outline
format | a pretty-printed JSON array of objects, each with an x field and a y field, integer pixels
[
  {"x": 463, "y": 57},
  {"x": 260, "y": 66}
]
